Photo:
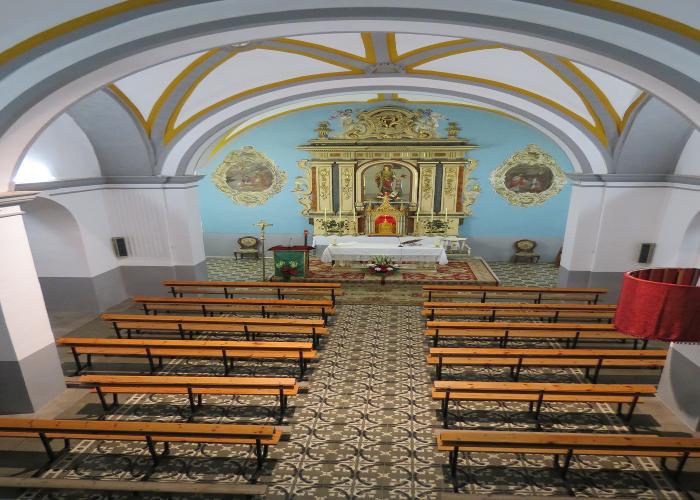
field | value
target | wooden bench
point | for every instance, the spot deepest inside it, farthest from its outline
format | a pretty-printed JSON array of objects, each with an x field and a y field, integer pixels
[
  {"x": 194, "y": 387},
  {"x": 566, "y": 444},
  {"x": 183, "y": 326},
  {"x": 208, "y": 306},
  {"x": 516, "y": 359},
  {"x": 536, "y": 394},
  {"x": 513, "y": 293},
  {"x": 180, "y": 487},
  {"x": 151, "y": 433},
  {"x": 494, "y": 310},
  {"x": 230, "y": 288},
  {"x": 571, "y": 333},
  {"x": 227, "y": 351}
]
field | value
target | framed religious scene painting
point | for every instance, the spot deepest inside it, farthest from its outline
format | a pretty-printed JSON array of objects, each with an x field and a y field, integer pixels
[
  {"x": 528, "y": 178},
  {"x": 249, "y": 177},
  {"x": 387, "y": 178}
]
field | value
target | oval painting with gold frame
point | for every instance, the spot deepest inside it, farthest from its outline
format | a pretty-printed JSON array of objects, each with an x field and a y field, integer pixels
[
  {"x": 249, "y": 177},
  {"x": 529, "y": 177}
]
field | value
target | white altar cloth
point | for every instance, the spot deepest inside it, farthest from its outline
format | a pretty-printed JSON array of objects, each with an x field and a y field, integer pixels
[{"x": 363, "y": 248}]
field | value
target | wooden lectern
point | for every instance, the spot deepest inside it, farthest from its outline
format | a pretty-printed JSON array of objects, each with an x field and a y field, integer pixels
[{"x": 291, "y": 262}]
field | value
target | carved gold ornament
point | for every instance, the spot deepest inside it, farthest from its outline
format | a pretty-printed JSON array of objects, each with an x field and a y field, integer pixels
[
  {"x": 249, "y": 177},
  {"x": 529, "y": 177},
  {"x": 389, "y": 122},
  {"x": 302, "y": 187}
]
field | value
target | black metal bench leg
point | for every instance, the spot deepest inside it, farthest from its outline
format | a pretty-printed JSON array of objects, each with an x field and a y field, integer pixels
[
  {"x": 633, "y": 404},
  {"x": 76, "y": 357},
  {"x": 453, "y": 469},
  {"x": 567, "y": 463},
  {"x": 283, "y": 405},
  {"x": 103, "y": 401},
  {"x": 438, "y": 369},
  {"x": 47, "y": 446},
  {"x": 445, "y": 406}
]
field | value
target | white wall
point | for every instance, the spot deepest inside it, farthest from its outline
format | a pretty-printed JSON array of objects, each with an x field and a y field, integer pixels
[
  {"x": 62, "y": 151},
  {"x": 607, "y": 225},
  {"x": 689, "y": 160},
  {"x": 55, "y": 240}
]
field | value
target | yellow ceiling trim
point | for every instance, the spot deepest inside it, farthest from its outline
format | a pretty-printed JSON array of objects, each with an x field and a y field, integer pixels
[
  {"x": 370, "y": 53},
  {"x": 324, "y": 48},
  {"x": 463, "y": 50},
  {"x": 644, "y": 15},
  {"x": 129, "y": 104},
  {"x": 380, "y": 97},
  {"x": 173, "y": 85},
  {"x": 628, "y": 113},
  {"x": 173, "y": 131},
  {"x": 596, "y": 90},
  {"x": 71, "y": 25},
  {"x": 596, "y": 119},
  {"x": 93, "y": 17},
  {"x": 434, "y": 46},
  {"x": 391, "y": 47},
  {"x": 170, "y": 125},
  {"x": 518, "y": 90},
  {"x": 300, "y": 52}
]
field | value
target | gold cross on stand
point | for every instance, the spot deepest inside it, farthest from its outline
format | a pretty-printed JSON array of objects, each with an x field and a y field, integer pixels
[{"x": 262, "y": 224}]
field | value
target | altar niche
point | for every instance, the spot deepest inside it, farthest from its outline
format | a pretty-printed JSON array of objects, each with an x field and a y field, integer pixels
[{"x": 387, "y": 173}]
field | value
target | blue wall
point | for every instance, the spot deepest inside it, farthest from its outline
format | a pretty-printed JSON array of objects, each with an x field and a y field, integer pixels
[{"x": 498, "y": 137}]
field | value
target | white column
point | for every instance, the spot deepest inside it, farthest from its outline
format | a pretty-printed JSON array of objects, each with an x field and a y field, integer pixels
[{"x": 30, "y": 369}]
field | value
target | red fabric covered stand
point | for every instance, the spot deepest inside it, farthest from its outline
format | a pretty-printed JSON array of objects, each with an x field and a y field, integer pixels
[{"x": 660, "y": 304}]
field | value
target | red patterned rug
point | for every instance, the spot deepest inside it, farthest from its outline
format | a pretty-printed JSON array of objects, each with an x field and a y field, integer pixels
[{"x": 471, "y": 271}]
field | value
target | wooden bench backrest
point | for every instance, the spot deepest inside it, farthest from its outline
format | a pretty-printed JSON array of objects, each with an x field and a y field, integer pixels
[
  {"x": 566, "y": 439},
  {"x": 249, "y": 284},
  {"x": 138, "y": 428},
  {"x": 462, "y": 385},
  {"x": 212, "y": 320},
  {"x": 184, "y": 344},
  {"x": 221, "y": 301},
  {"x": 548, "y": 353},
  {"x": 145, "y": 380},
  {"x": 519, "y": 305},
  {"x": 509, "y": 325},
  {"x": 491, "y": 288}
]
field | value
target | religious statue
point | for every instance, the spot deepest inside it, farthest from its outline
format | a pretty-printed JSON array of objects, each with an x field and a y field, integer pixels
[{"x": 388, "y": 183}]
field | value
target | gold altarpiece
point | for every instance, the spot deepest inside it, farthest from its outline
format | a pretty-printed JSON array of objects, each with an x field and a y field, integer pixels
[{"x": 387, "y": 172}]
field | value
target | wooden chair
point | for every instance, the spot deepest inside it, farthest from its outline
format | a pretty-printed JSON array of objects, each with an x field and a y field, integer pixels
[
  {"x": 513, "y": 293},
  {"x": 102, "y": 385},
  {"x": 226, "y": 350},
  {"x": 516, "y": 359},
  {"x": 536, "y": 394},
  {"x": 491, "y": 311},
  {"x": 245, "y": 288},
  {"x": 247, "y": 245},
  {"x": 137, "y": 324},
  {"x": 150, "y": 433},
  {"x": 567, "y": 444},
  {"x": 505, "y": 331},
  {"x": 211, "y": 305},
  {"x": 524, "y": 249}
]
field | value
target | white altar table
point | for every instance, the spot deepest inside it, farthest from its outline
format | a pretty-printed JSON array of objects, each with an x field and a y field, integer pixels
[{"x": 363, "y": 248}]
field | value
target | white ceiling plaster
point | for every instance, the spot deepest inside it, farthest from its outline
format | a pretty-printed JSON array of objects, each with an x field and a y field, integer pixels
[
  {"x": 406, "y": 42},
  {"x": 346, "y": 42},
  {"x": 248, "y": 70},
  {"x": 513, "y": 68},
  {"x": 39, "y": 15},
  {"x": 385, "y": 84},
  {"x": 620, "y": 93},
  {"x": 145, "y": 87}
]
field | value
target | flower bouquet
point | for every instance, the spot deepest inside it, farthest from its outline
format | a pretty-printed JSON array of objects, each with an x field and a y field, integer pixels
[
  {"x": 287, "y": 268},
  {"x": 382, "y": 265}
]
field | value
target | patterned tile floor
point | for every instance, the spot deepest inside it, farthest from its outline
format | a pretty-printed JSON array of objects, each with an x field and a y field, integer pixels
[{"x": 364, "y": 426}]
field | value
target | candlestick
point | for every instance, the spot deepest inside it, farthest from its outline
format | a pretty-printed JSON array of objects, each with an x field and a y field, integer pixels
[
  {"x": 325, "y": 214},
  {"x": 432, "y": 215}
]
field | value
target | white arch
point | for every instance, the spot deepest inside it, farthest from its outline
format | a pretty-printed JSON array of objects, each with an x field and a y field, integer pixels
[
  {"x": 689, "y": 251},
  {"x": 450, "y": 21},
  {"x": 247, "y": 107}
]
